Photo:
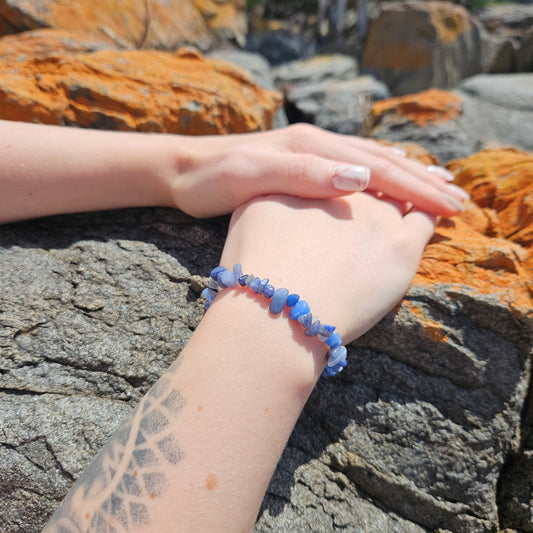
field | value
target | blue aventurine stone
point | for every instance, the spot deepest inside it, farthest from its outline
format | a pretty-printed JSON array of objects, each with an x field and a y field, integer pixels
[
  {"x": 334, "y": 340},
  {"x": 292, "y": 299},
  {"x": 237, "y": 270},
  {"x": 328, "y": 372},
  {"x": 262, "y": 286},
  {"x": 300, "y": 308},
  {"x": 208, "y": 295},
  {"x": 325, "y": 332},
  {"x": 212, "y": 293},
  {"x": 336, "y": 355},
  {"x": 268, "y": 291},
  {"x": 278, "y": 301},
  {"x": 212, "y": 284},
  {"x": 249, "y": 279},
  {"x": 242, "y": 280},
  {"x": 226, "y": 279},
  {"x": 305, "y": 320},
  {"x": 216, "y": 271},
  {"x": 255, "y": 284},
  {"x": 312, "y": 330}
]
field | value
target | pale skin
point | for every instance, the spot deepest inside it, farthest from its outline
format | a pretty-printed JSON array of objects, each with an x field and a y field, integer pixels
[
  {"x": 199, "y": 450},
  {"x": 48, "y": 170}
]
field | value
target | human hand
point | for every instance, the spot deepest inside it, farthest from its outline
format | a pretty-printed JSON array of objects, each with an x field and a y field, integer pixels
[
  {"x": 217, "y": 174},
  {"x": 350, "y": 258}
]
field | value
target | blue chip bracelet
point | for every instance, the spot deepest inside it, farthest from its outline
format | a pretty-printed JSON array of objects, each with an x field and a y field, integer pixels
[{"x": 221, "y": 278}]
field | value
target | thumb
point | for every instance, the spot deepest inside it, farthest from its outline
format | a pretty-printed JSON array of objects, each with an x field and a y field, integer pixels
[{"x": 311, "y": 176}]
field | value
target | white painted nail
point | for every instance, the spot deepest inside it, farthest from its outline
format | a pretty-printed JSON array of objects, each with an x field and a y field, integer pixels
[
  {"x": 442, "y": 172},
  {"x": 455, "y": 204},
  {"x": 399, "y": 151},
  {"x": 350, "y": 177},
  {"x": 455, "y": 190}
]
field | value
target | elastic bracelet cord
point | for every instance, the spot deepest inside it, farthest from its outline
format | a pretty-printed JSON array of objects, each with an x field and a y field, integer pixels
[{"x": 222, "y": 278}]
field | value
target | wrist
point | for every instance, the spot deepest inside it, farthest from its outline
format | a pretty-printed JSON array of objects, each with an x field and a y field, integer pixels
[{"x": 275, "y": 345}]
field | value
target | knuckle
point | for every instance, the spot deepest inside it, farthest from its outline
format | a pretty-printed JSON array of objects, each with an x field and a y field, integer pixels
[{"x": 301, "y": 136}]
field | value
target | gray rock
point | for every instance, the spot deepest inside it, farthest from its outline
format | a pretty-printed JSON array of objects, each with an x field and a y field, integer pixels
[
  {"x": 512, "y": 91},
  {"x": 343, "y": 107},
  {"x": 260, "y": 70},
  {"x": 331, "y": 68},
  {"x": 326, "y": 91},
  {"x": 414, "y": 428},
  {"x": 509, "y": 45},
  {"x": 508, "y": 18},
  {"x": 447, "y": 140},
  {"x": 524, "y": 55},
  {"x": 410, "y": 438},
  {"x": 93, "y": 309},
  {"x": 412, "y": 46},
  {"x": 496, "y": 109}
]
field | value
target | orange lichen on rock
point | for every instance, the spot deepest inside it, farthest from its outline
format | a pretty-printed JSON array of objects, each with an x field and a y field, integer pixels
[
  {"x": 459, "y": 255},
  {"x": 500, "y": 181},
  {"x": 431, "y": 106},
  {"x": 430, "y": 328},
  {"x": 451, "y": 21},
  {"x": 48, "y": 43},
  {"x": 132, "y": 23},
  {"x": 136, "y": 90}
]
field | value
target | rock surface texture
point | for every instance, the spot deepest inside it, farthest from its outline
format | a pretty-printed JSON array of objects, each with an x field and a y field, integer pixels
[
  {"x": 137, "y": 90},
  {"x": 510, "y": 28},
  {"x": 430, "y": 427},
  {"x": 412, "y": 46},
  {"x": 485, "y": 109},
  {"x": 326, "y": 91},
  {"x": 164, "y": 24}
]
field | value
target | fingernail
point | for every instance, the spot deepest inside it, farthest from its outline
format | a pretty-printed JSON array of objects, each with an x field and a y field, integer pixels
[
  {"x": 399, "y": 151},
  {"x": 455, "y": 190},
  {"x": 455, "y": 204},
  {"x": 442, "y": 172},
  {"x": 350, "y": 177}
]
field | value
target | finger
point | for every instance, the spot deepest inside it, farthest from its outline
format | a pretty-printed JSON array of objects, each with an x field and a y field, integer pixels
[
  {"x": 436, "y": 198},
  {"x": 395, "y": 175},
  {"x": 307, "y": 176},
  {"x": 421, "y": 225}
]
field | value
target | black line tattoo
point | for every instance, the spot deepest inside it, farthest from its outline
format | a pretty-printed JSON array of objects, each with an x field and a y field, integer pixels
[{"x": 128, "y": 472}]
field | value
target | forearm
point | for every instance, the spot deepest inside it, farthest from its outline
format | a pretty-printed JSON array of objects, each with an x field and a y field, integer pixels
[
  {"x": 48, "y": 170},
  {"x": 231, "y": 404}
]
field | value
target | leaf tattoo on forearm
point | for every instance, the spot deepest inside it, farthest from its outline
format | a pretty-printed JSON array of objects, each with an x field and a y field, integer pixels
[{"x": 128, "y": 472}]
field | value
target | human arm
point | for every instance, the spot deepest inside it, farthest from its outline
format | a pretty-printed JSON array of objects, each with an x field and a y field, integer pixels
[
  {"x": 233, "y": 397},
  {"x": 48, "y": 170}
]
